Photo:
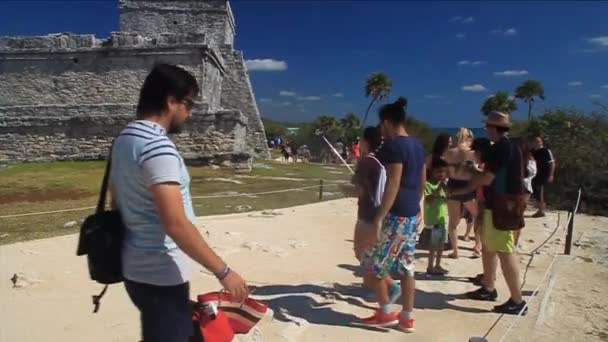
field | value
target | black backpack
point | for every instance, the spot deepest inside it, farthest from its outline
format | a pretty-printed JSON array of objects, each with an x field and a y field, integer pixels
[{"x": 101, "y": 238}]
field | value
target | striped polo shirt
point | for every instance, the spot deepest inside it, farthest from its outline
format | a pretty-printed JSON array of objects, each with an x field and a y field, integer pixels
[{"x": 142, "y": 156}]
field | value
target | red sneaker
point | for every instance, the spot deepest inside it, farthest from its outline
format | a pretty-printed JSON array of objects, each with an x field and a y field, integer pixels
[
  {"x": 381, "y": 319},
  {"x": 406, "y": 325}
]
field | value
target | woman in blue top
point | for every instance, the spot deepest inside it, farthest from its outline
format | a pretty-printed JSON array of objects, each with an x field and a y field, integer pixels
[{"x": 391, "y": 244}]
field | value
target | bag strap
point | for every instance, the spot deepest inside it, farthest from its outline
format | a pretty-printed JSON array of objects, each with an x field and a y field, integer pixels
[
  {"x": 97, "y": 299},
  {"x": 101, "y": 202}
]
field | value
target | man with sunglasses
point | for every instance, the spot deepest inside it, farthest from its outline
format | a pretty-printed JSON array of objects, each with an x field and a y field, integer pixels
[
  {"x": 503, "y": 175},
  {"x": 151, "y": 189}
]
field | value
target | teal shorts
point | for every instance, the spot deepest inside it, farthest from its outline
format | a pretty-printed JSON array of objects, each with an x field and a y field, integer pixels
[{"x": 439, "y": 236}]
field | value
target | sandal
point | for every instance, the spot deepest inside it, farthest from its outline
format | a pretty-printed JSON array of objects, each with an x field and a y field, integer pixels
[
  {"x": 453, "y": 256},
  {"x": 441, "y": 270}
]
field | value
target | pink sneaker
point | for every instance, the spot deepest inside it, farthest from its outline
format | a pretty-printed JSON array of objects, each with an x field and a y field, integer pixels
[
  {"x": 381, "y": 319},
  {"x": 406, "y": 325}
]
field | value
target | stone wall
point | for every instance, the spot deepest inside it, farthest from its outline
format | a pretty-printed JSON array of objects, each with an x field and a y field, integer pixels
[
  {"x": 85, "y": 75},
  {"x": 63, "y": 96},
  {"x": 66, "y": 133},
  {"x": 150, "y": 17},
  {"x": 237, "y": 93}
]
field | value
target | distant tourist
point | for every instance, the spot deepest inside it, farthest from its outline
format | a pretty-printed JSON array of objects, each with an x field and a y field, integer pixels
[
  {"x": 461, "y": 162},
  {"x": 436, "y": 214},
  {"x": 502, "y": 175},
  {"x": 391, "y": 242},
  {"x": 151, "y": 188},
  {"x": 339, "y": 147},
  {"x": 356, "y": 150},
  {"x": 545, "y": 164},
  {"x": 286, "y": 151}
]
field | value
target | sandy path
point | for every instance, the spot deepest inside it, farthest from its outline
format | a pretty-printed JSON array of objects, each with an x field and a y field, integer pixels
[{"x": 295, "y": 258}]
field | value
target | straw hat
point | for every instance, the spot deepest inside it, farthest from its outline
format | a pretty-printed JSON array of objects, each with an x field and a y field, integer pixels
[{"x": 498, "y": 119}]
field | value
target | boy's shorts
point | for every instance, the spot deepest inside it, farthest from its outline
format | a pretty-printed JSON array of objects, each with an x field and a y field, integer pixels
[
  {"x": 394, "y": 253},
  {"x": 439, "y": 236},
  {"x": 493, "y": 239}
]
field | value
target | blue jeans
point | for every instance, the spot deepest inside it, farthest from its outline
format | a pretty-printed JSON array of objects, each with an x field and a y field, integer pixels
[{"x": 165, "y": 311}]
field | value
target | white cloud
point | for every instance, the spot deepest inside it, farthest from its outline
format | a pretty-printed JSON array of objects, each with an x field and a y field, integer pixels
[
  {"x": 600, "y": 41},
  {"x": 460, "y": 35},
  {"x": 474, "y": 88},
  {"x": 605, "y": 86},
  {"x": 465, "y": 62},
  {"x": 338, "y": 95},
  {"x": 575, "y": 83},
  {"x": 265, "y": 65},
  {"x": 309, "y": 98},
  {"x": 460, "y": 19},
  {"x": 508, "y": 32},
  {"x": 286, "y": 103},
  {"x": 287, "y": 93},
  {"x": 265, "y": 100},
  {"x": 595, "y": 96},
  {"x": 511, "y": 73},
  {"x": 433, "y": 96}
]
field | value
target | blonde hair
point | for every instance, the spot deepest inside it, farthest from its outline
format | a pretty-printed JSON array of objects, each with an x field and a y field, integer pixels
[{"x": 464, "y": 135}]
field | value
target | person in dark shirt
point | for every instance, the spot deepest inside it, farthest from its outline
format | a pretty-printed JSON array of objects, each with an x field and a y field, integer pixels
[
  {"x": 545, "y": 166},
  {"x": 392, "y": 240},
  {"x": 503, "y": 174}
]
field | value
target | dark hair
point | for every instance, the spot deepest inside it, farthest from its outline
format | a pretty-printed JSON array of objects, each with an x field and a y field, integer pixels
[
  {"x": 481, "y": 145},
  {"x": 524, "y": 146},
  {"x": 394, "y": 112},
  {"x": 373, "y": 137},
  {"x": 437, "y": 163},
  {"x": 441, "y": 144},
  {"x": 163, "y": 81}
]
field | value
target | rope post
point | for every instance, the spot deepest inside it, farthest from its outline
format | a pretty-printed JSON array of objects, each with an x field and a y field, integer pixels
[
  {"x": 320, "y": 189},
  {"x": 568, "y": 246}
]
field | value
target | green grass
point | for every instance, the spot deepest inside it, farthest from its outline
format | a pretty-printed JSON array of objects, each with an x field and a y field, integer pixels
[{"x": 38, "y": 187}]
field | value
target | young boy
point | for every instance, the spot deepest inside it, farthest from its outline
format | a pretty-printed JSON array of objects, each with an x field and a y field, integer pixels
[
  {"x": 435, "y": 214},
  {"x": 369, "y": 181}
]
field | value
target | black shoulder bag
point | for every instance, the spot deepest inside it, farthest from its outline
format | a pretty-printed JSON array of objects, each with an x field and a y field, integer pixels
[{"x": 101, "y": 238}]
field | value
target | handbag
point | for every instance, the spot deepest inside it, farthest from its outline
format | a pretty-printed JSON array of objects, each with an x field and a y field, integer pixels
[
  {"x": 210, "y": 324},
  {"x": 242, "y": 317},
  {"x": 508, "y": 209},
  {"x": 101, "y": 238}
]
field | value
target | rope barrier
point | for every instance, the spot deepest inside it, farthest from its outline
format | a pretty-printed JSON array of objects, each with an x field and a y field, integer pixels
[
  {"x": 194, "y": 197},
  {"x": 541, "y": 282}
]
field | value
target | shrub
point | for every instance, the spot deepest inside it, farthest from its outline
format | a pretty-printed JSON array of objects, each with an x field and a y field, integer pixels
[{"x": 579, "y": 142}]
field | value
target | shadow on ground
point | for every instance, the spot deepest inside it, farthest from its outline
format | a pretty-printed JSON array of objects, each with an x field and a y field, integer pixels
[{"x": 312, "y": 303}]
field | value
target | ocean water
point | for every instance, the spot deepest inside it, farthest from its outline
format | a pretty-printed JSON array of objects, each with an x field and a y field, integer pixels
[{"x": 477, "y": 132}]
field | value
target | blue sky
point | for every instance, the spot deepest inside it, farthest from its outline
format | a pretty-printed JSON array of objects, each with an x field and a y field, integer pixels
[{"x": 446, "y": 57}]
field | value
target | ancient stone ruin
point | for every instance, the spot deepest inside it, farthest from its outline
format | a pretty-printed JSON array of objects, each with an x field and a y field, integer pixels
[{"x": 64, "y": 96}]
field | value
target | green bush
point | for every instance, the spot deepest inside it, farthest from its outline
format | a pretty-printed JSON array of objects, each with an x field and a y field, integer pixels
[{"x": 579, "y": 142}]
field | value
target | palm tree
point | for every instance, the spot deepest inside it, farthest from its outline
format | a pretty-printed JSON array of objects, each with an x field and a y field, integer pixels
[
  {"x": 377, "y": 87},
  {"x": 501, "y": 101},
  {"x": 350, "y": 124},
  {"x": 527, "y": 91}
]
